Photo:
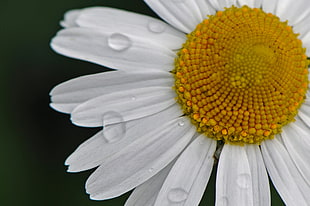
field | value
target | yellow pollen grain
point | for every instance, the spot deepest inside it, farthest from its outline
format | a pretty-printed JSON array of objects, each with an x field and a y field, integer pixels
[
  {"x": 241, "y": 75},
  {"x": 181, "y": 89},
  {"x": 224, "y": 132}
]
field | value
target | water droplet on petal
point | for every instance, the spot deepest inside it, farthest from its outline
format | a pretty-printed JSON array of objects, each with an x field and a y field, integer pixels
[
  {"x": 119, "y": 42},
  {"x": 244, "y": 181},
  {"x": 177, "y": 195},
  {"x": 156, "y": 27},
  {"x": 181, "y": 123},
  {"x": 111, "y": 117},
  {"x": 114, "y": 127}
]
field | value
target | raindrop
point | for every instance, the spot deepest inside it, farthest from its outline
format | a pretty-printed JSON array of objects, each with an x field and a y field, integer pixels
[
  {"x": 156, "y": 27},
  {"x": 114, "y": 127},
  {"x": 177, "y": 195},
  {"x": 181, "y": 123},
  {"x": 119, "y": 42},
  {"x": 244, "y": 180}
]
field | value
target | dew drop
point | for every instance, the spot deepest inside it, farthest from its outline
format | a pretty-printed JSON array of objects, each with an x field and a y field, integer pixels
[
  {"x": 114, "y": 127},
  {"x": 244, "y": 181},
  {"x": 119, "y": 42},
  {"x": 177, "y": 195},
  {"x": 156, "y": 27},
  {"x": 181, "y": 123}
]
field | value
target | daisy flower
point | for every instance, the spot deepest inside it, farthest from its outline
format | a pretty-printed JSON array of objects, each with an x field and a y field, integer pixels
[{"x": 224, "y": 79}]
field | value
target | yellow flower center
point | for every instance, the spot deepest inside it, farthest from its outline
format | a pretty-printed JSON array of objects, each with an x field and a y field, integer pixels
[{"x": 241, "y": 75}]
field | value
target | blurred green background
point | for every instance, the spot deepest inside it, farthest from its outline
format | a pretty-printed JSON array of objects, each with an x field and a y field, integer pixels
[{"x": 35, "y": 140}]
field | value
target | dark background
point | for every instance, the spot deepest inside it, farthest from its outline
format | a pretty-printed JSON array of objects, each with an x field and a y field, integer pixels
[{"x": 35, "y": 140}]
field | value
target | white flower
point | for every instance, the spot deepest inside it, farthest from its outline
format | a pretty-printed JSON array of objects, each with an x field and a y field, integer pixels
[{"x": 148, "y": 143}]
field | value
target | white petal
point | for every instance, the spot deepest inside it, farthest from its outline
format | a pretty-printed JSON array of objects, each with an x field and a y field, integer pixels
[
  {"x": 182, "y": 14},
  {"x": 205, "y": 8},
  {"x": 140, "y": 160},
  {"x": 221, "y": 4},
  {"x": 100, "y": 147},
  {"x": 270, "y": 6},
  {"x": 66, "y": 96},
  {"x": 146, "y": 193},
  {"x": 260, "y": 182},
  {"x": 307, "y": 100},
  {"x": 131, "y": 24},
  {"x": 293, "y": 11},
  {"x": 128, "y": 104},
  {"x": 190, "y": 174},
  {"x": 234, "y": 184},
  {"x": 114, "y": 50},
  {"x": 306, "y": 42},
  {"x": 304, "y": 112},
  {"x": 215, "y": 4},
  {"x": 251, "y": 3},
  {"x": 303, "y": 28},
  {"x": 297, "y": 141},
  {"x": 70, "y": 18},
  {"x": 284, "y": 174}
]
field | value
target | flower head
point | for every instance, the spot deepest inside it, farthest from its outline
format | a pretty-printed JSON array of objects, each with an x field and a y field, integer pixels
[{"x": 218, "y": 72}]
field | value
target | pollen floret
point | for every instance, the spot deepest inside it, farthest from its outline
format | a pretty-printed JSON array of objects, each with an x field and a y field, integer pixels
[{"x": 241, "y": 75}]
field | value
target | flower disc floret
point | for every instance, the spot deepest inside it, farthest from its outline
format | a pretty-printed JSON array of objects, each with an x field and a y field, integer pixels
[{"x": 241, "y": 75}]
